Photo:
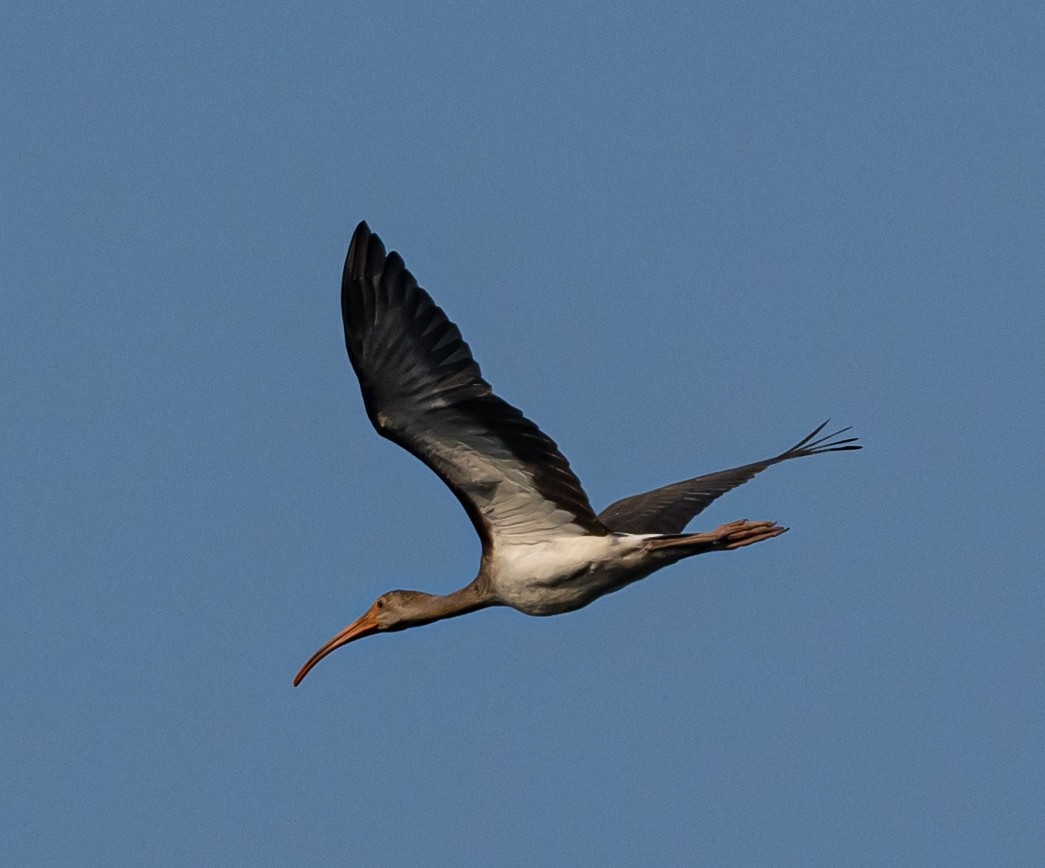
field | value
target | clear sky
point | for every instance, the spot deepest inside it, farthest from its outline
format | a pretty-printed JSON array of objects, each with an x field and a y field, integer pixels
[{"x": 678, "y": 236}]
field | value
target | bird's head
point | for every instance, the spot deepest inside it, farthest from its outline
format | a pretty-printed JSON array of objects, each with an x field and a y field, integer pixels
[{"x": 395, "y": 610}]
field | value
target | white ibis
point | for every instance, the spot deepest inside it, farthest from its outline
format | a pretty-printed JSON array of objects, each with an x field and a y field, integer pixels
[{"x": 544, "y": 550}]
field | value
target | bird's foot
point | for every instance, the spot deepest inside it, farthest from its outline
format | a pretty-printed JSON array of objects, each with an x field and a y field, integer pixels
[{"x": 742, "y": 532}]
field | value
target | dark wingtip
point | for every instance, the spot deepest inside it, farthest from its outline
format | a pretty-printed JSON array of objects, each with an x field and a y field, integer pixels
[
  {"x": 356, "y": 257},
  {"x": 366, "y": 254},
  {"x": 805, "y": 441},
  {"x": 814, "y": 444},
  {"x": 375, "y": 257},
  {"x": 360, "y": 237}
]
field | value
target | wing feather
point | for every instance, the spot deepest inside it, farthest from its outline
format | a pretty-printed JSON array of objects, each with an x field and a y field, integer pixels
[
  {"x": 670, "y": 508},
  {"x": 423, "y": 390}
]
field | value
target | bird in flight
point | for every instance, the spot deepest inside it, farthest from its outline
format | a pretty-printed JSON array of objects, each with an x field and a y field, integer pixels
[{"x": 544, "y": 550}]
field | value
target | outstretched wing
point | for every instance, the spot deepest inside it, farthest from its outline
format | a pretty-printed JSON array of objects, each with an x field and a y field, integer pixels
[
  {"x": 671, "y": 508},
  {"x": 423, "y": 390}
]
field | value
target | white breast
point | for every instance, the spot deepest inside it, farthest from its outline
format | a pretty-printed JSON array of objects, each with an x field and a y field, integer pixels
[{"x": 565, "y": 572}]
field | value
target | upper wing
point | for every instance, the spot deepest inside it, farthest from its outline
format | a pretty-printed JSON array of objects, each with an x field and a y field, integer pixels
[
  {"x": 671, "y": 508},
  {"x": 423, "y": 390}
]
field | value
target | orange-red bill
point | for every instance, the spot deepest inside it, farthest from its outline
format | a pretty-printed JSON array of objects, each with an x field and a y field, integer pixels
[{"x": 364, "y": 626}]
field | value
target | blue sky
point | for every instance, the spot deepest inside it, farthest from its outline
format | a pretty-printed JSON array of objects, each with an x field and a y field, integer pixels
[{"x": 678, "y": 237}]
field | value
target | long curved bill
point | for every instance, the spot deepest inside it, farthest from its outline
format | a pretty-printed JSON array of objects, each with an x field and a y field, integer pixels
[{"x": 365, "y": 626}]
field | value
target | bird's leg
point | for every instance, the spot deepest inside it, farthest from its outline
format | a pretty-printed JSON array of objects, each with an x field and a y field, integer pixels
[
  {"x": 734, "y": 535},
  {"x": 740, "y": 533}
]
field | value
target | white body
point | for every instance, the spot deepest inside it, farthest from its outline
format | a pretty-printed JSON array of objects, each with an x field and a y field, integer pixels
[{"x": 559, "y": 574}]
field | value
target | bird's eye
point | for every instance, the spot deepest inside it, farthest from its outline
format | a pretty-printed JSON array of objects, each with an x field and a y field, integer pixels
[{"x": 380, "y": 604}]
